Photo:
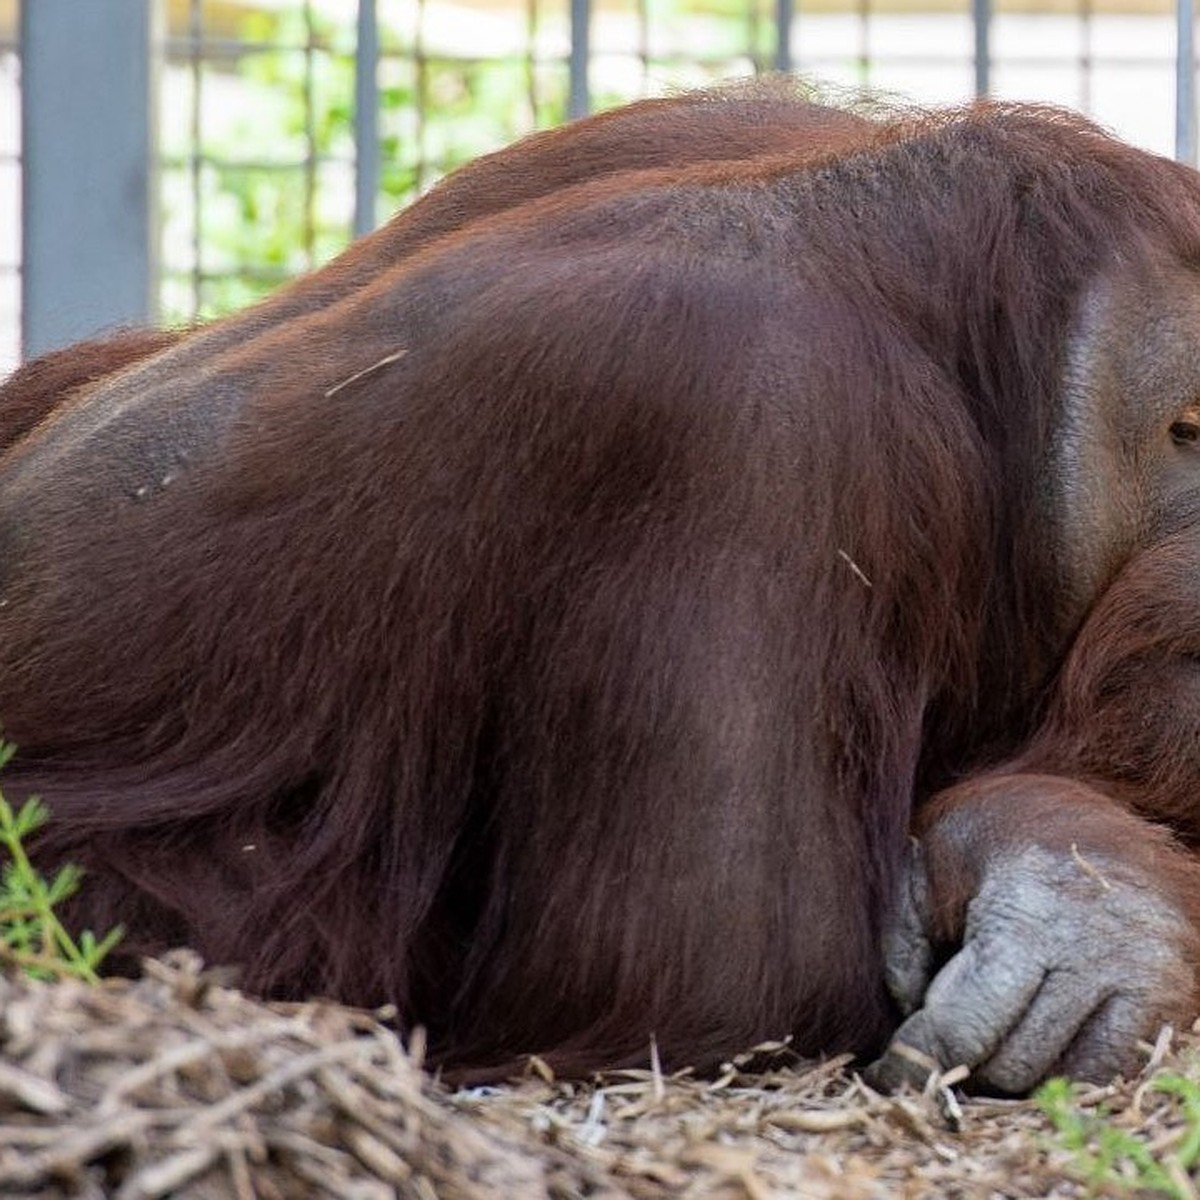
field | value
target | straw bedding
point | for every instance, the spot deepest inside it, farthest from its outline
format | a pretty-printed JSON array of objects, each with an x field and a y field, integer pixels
[{"x": 178, "y": 1085}]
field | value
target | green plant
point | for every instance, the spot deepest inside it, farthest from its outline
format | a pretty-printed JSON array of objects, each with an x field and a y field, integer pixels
[
  {"x": 271, "y": 193},
  {"x": 1109, "y": 1157},
  {"x": 31, "y": 935}
]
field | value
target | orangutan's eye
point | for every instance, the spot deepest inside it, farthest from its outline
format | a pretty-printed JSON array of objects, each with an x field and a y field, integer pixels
[{"x": 1185, "y": 433}]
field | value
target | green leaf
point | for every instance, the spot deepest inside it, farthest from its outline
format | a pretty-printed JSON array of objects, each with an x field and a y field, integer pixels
[{"x": 31, "y": 934}]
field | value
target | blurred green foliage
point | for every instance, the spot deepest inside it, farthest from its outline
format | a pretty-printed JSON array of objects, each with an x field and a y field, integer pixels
[
  {"x": 271, "y": 190},
  {"x": 258, "y": 166},
  {"x": 1112, "y": 1154}
]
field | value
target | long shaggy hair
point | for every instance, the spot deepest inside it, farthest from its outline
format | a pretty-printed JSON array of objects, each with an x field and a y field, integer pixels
[{"x": 544, "y": 617}]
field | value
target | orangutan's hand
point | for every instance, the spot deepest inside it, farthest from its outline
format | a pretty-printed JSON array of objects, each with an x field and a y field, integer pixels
[{"x": 1026, "y": 960}]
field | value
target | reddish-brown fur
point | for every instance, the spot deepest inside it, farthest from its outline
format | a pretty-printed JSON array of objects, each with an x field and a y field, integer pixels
[
  {"x": 1125, "y": 716},
  {"x": 558, "y": 603},
  {"x": 38, "y": 387},
  {"x": 1110, "y": 778},
  {"x": 655, "y": 133}
]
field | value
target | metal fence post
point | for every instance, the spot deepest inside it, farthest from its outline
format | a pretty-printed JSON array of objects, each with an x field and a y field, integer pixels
[
  {"x": 579, "y": 101},
  {"x": 366, "y": 118},
  {"x": 88, "y": 228},
  {"x": 1185, "y": 82},
  {"x": 785, "y": 11},
  {"x": 981, "y": 15}
]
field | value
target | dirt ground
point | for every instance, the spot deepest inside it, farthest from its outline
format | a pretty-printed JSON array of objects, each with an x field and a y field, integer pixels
[{"x": 177, "y": 1086}]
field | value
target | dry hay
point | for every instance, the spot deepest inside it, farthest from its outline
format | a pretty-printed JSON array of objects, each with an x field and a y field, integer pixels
[{"x": 175, "y": 1085}]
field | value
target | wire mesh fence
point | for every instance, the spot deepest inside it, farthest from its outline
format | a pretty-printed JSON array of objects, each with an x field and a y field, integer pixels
[
  {"x": 285, "y": 126},
  {"x": 10, "y": 196}
]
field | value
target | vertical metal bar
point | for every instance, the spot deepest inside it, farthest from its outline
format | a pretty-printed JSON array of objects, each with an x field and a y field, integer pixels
[
  {"x": 981, "y": 14},
  {"x": 864, "y": 42},
  {"x": 1185, "y": 82},
  {"x": 87, "y": 233},
  {"x": 311, "y": 149},
  {"x": 420, "y": 95},
  {"x": 195, "y": 168},
  {"x": 643, "y": 20},
  {"x": 785, "y": 12},
  {"x": 579, "y": 99},
  {"x": 366, "y": 118},
  {"x": 532, "y": 91},
  {"x": 754, "y": 36},
  {"x": 1086, "y": 54},
  {"x": 10, "y": 265}
]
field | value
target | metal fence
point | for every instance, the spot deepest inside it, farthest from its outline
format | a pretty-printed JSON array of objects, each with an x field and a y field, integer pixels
[
  {"x": 10, "y": 188},
  {"x": 241, "y": 141}
]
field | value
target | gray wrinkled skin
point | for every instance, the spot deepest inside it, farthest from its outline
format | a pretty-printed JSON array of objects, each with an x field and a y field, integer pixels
[{"x": 1063, "y": 966}]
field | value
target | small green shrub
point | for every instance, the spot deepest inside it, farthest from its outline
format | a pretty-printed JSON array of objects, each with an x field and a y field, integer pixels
[
  {"x": 1113, "y": 1158},
  {"x": 31, "y": 935}
]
